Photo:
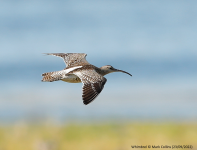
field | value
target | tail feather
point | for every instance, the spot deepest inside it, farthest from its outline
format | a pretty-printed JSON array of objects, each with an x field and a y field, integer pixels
[{"x": 52, "y": 76}]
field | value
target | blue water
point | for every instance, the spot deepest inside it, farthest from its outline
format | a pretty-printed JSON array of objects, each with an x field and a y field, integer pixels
[{"x": 155, "y": 41}]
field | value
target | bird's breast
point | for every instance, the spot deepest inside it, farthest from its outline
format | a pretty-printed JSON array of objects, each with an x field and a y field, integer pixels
[{"x": 71, "y": 78}]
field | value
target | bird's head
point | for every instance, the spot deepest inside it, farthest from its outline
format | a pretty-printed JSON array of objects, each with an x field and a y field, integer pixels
[{"x": 109, "y": 69}]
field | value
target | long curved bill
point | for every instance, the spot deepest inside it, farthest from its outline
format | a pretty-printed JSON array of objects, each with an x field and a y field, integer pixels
[{"x": 122, "y": 71}]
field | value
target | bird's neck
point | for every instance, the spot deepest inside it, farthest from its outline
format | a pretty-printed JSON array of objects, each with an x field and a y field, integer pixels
[{"x": 102, "y": 72}]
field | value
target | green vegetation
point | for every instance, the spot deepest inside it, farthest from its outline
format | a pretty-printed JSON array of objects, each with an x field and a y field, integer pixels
[{"x": 102, "y": 136}]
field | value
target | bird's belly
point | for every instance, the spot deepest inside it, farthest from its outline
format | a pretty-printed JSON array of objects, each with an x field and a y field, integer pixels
[{"x": 71, "y": 78}]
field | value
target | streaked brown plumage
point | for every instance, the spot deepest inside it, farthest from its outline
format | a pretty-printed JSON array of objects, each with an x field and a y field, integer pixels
[{"x": 79, "y": 70}]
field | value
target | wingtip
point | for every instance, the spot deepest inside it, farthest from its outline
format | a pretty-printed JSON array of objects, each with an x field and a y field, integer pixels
[
  {"x": 85, "y": 103},
  {"x": 45, "y": 54}
]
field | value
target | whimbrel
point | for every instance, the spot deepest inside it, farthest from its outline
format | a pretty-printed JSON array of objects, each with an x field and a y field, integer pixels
[{"x": 79, "y": 70}]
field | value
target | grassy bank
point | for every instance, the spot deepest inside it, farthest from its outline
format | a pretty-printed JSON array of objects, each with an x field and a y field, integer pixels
[{"x": 102, "y": 136}]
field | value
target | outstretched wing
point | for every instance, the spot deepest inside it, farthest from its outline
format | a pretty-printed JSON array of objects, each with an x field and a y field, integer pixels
[
  {"x": 93, "y": 84},
  {"x": 72, "y": 59}
]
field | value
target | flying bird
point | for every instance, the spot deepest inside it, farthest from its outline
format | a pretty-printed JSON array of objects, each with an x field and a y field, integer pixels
[{"x": 79, "y": 70}]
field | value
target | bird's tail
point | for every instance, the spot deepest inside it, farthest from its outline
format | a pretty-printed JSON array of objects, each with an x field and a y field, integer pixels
[{"x": 52, "y": 76}]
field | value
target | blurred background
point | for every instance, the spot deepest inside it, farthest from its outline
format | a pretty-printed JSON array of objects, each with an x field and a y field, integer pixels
[{"x": 153, "y": 40}]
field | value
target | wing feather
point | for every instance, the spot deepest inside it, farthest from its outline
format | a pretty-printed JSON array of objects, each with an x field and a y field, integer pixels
[
  {"x": 72, "y": 59},
  {"x": 93, "y": 83}
]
